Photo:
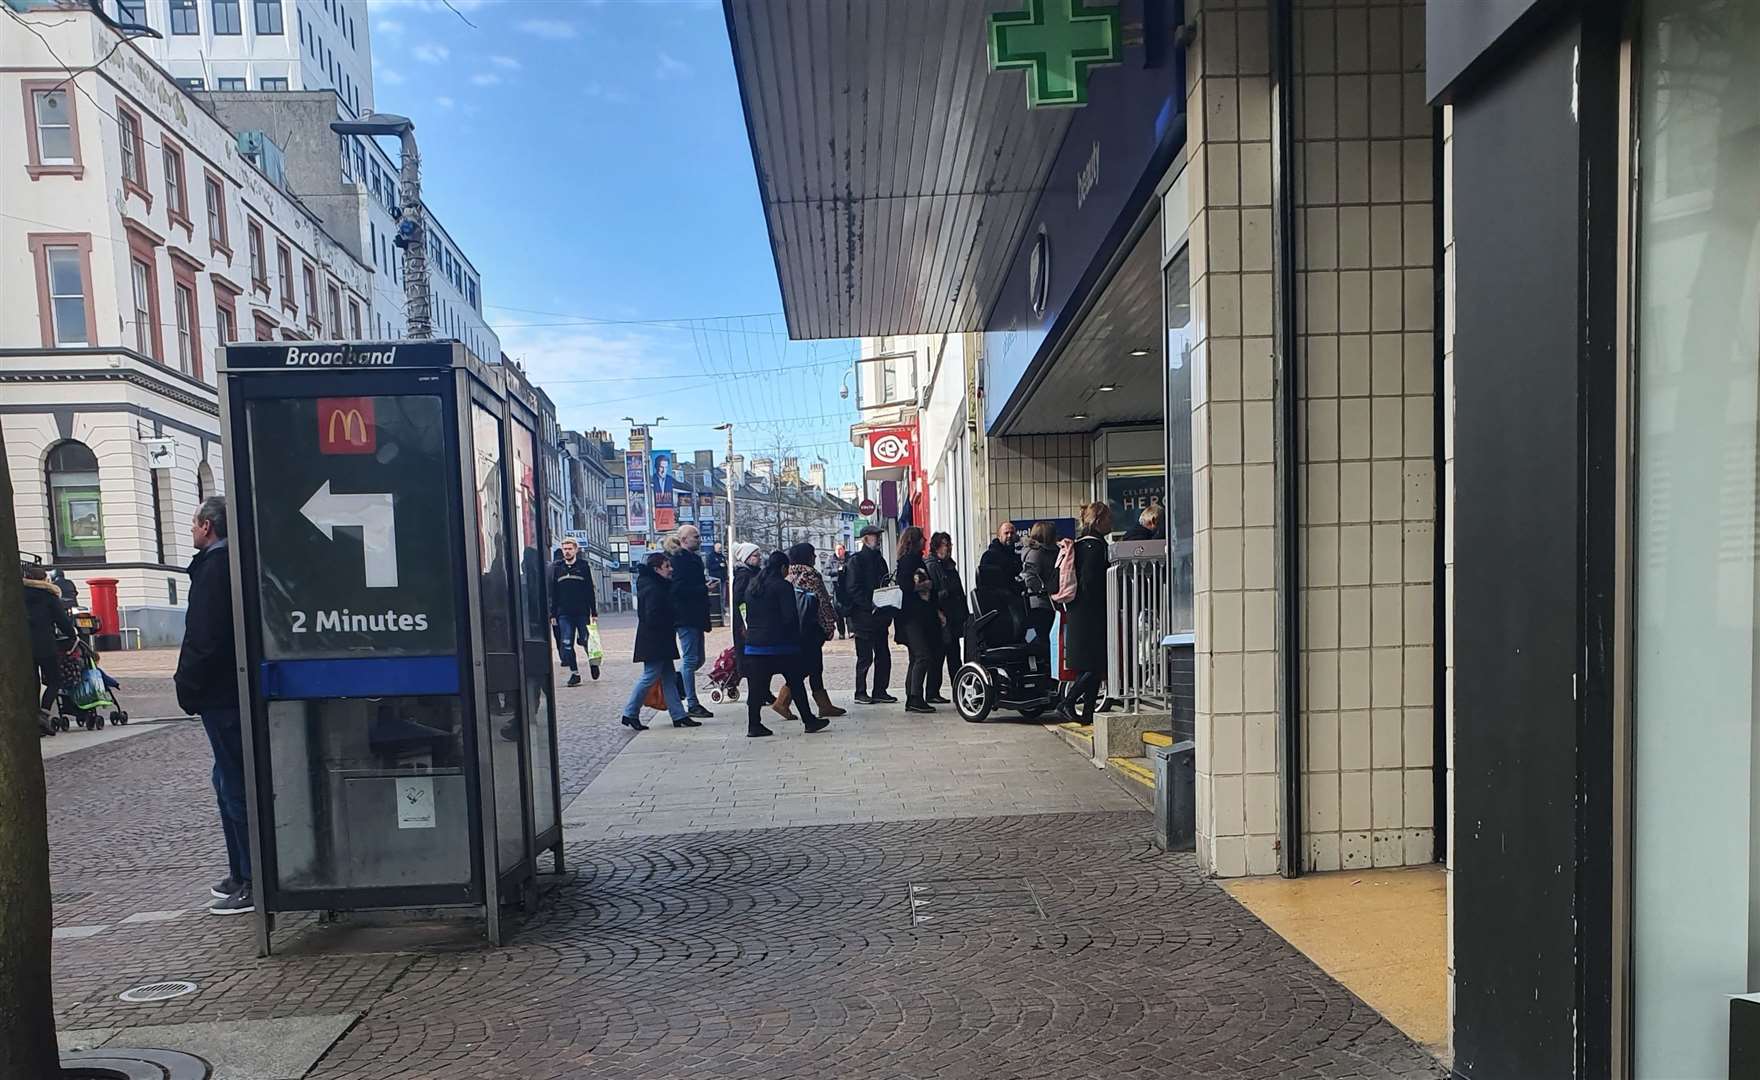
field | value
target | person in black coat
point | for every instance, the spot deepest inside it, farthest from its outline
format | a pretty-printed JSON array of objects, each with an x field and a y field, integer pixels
[
  {"x": 1084, "y": 642},
  {"x": 773, "y": 618},
  {"x": 207, "y": 685},
  {"x": 838, "y": 578},
  {"x": 999, "y": 567},
  {"x": 690, "y": 606},
  {"x": 45, "y": 617},
  {"x": 949, "y": 594},
  {"x": 867, "y": 623},
  {"x": 919, "y": 621},
  {"x": 748, "y": 560},
  {"x": 656, "y": 643},
  {"x": 573, "y": 606}
]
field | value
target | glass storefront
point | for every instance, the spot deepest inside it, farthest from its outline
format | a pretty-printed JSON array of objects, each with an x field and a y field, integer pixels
[{"x": 1695, "y": 898}]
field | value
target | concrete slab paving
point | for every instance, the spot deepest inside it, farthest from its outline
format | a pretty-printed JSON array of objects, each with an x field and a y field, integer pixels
[{"x": 281, "y": 1049}]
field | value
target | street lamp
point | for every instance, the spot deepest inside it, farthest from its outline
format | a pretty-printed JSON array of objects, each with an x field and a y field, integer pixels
[
  {"x": 412, "y": 231},
  {"x": 728, "y": 427}
]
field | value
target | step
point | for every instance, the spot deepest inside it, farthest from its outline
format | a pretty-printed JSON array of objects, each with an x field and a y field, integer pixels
[
  {"x": 1138, "y": 776},
  {"x": 1157, "y": 738}
]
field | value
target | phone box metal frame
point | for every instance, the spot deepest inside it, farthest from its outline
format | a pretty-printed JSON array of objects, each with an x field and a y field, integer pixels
[{"x": 404, "y": 758}]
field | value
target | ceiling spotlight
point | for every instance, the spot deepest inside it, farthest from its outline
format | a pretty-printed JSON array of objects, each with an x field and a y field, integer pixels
[
  {"x": 1078, "y": 416},
  {"x": 1139, "y": 352},
  {"x": 1106, "y": 388}
]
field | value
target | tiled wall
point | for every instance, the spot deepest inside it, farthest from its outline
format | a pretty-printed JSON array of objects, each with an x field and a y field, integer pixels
[
  {"x": 1234, "y": 482},
  {"x": 1365, "y": 236},
  {"x": 1039, "y": 476}
]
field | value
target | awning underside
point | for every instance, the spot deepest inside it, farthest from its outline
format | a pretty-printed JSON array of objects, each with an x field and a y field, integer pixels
[{"x": 896, "y": 171}]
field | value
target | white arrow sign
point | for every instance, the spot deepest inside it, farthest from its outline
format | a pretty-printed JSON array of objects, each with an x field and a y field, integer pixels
[{"x": 371, "y": 513}]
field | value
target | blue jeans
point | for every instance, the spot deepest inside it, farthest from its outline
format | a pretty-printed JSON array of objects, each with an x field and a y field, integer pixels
[
  {"x": 224, "y": 736},
  {"x": 570, "y": 629},
  {"x": 656, "y": 671},
  {"x": 690, "y": 658}
]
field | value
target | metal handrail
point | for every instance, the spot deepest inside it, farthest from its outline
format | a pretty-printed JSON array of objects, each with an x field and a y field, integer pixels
[{"x": 1137, "y": 594}]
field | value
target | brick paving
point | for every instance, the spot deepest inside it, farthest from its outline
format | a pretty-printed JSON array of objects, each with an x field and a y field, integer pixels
[{"x": 964, "y": 944}]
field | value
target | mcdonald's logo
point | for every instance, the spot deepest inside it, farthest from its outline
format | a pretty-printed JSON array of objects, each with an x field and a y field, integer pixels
[{"x": 345, "y": 426}]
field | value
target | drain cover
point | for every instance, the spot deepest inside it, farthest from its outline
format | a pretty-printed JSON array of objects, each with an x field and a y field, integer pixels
[
  {"x": 974, "y": 900},
  {"x": 159, "y": 991}
]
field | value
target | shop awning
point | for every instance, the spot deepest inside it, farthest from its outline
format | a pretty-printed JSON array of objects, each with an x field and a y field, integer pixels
[{"x": 897, "y": 173}]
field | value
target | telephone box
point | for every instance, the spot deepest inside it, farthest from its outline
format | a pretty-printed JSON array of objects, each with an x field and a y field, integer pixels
[{"x": 389, "y": 562}]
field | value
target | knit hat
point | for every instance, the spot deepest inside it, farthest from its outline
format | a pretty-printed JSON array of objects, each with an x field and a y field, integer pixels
[
  {"x": 802, "y": 554},
  {"x": 743, "y": 551}
]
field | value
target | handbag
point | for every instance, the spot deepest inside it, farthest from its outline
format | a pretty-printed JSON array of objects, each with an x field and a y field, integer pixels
[
  {"x": 888, "y": 594},
  {"x": 656, "y": 697}
]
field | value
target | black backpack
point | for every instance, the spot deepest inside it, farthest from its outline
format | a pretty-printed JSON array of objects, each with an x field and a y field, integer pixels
[{"x": 806, "y": 611}]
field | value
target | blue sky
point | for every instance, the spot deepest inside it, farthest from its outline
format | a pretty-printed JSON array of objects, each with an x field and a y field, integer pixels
[{"x": 591, "y": 157}]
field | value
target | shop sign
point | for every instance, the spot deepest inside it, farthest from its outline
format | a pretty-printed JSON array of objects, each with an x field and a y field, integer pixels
[
  {"x": 1056, "y": 42},
  {"x": 345, "y": 559},
  {"x": 892, "y": 448}
]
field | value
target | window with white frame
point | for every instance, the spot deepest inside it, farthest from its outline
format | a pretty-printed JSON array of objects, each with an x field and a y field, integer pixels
[
  {"x": 67, "y": 295},
  {"x": 185, "y": 304},
  {"x": 130, "y": 128},
  {"x": 54, "y": 127},
  {"x": 142, "y": 276}
]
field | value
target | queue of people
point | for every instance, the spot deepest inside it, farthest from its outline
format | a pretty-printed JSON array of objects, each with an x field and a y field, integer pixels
[{"x": 784, "y": 608}]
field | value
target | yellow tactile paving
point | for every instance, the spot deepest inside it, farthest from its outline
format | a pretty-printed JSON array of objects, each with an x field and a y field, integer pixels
[{"x": 1382, "y": 933}]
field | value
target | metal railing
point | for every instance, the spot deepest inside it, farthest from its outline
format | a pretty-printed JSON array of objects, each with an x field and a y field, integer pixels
[{"x": 1137, "y": 595}]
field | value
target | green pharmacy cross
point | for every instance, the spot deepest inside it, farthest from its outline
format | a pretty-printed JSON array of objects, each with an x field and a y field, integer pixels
[{"x": 1057, "y": 41}]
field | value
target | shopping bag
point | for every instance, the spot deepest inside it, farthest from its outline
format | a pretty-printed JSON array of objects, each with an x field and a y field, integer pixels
[
  {"x": 656, "y": 698},
  {"x": 595, "y": 647},
  {"x": 90, "y": 691},
  {"x": 888, "y": 595}
]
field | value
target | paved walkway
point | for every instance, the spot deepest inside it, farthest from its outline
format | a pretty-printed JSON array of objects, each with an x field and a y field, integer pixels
[{"x": 928, "y": 919}]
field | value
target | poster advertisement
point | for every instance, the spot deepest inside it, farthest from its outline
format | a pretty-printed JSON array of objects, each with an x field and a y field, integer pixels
[
  {"x": 661, "y": 483},
  {"x": 635, "y": 482},
  {"x": 687, "y": 508},
  {"x": 665, "y": 518},
  {"x": 706, "y": 512},
  {"x": 1130, "y": 493}
]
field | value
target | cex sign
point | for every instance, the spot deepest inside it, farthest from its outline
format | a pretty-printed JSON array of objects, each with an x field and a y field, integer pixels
[{"x": 892, "y": 448}]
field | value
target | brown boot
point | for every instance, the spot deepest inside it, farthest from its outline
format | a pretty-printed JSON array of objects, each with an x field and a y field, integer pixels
[
  {"x": 780, "y": 705},
  {"x": 823, "y": 701}
]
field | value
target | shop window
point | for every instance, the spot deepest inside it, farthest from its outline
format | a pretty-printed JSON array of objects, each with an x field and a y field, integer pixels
[
  {"x": 1177, "y": 410},
  {"x": 1696, "y": 579},
  {"x": 76, "y": 508}
]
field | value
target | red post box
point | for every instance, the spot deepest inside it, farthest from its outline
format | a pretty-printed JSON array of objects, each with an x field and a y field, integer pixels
[{"x": 102, "y": 591}]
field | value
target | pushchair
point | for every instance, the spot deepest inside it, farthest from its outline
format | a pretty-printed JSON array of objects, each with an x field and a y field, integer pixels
[
  {"x": 88, "y": 695},
  {"x": 1004, "y": 669},
  {"x": 724, "y": 678}
]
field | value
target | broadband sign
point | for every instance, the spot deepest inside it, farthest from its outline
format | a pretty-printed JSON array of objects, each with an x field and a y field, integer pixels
[
  {"x": 351, "y": 527},
  {"x": 330, "y": 355}
]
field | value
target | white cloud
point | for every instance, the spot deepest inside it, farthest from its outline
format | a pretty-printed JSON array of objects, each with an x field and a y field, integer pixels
[
  {"x": 506, "y": 63},
  {"x": 444, "y": 102},
  {"x": 388, "y": 76},
  {"x": 485, "y": 78},
  {"x": 387, "y": 26},
  {"x": 429, "y": 52},
  {"x": 559, "y": 357},
  {"x": 610, "y": 94},
  {"x": 554, "y": 29},
  {"x": 671, "y": 67}
]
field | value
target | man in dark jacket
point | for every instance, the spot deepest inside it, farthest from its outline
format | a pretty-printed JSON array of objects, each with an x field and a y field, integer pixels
[
  {"x": 207, "y": 685},
  {"x": 573, "y": 606},
  {"x": 690, "y": 610},
  {"x": 45, "y": 617},
  {"x": 656, "y": 644},
  {"x": 1000, "y": 566},
  {"x": 838, "y": 575},
  {"x": 867, "y": 571}
]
